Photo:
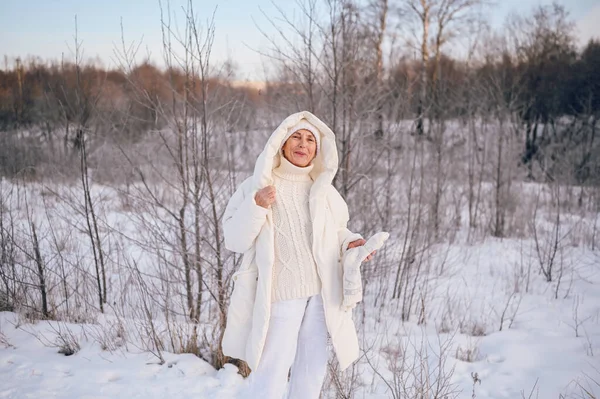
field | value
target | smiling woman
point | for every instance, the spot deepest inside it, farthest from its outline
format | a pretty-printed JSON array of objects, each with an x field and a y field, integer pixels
[
  {"x": 301, "y": 146},
  {"x": 290, "y": 223}
]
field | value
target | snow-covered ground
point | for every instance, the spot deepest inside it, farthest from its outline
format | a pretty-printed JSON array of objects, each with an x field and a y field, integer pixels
[
  {"x": 540, "y": 352},
  {"x": 493, "y": 326},
  {"x": 31, "y": 369},
  {"x": 537, "y": 349}
]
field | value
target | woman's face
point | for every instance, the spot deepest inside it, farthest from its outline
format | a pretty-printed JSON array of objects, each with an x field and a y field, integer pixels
[{"x": 300, "y": 148}]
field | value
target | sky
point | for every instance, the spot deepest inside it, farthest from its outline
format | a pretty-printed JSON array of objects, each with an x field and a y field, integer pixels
[{"x": 45, "y": 28}]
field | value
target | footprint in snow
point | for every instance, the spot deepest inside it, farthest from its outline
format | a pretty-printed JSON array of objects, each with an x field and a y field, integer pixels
[
  {"x": 63, "y": 371},
  {"x": 14, "y": 361},
  {"x": 8, "y": 361},
  {"x": 36, "y": 373},
  {"x": 111, "y": 377},
  {"x": 495, "y": 359}
]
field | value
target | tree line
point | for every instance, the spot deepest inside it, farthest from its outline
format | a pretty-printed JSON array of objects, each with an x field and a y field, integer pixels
[{"x": 533, "y": 69}]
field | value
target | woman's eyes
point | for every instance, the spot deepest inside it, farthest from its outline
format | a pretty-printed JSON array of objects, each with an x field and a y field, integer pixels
[{"x": 297, "y": 137}]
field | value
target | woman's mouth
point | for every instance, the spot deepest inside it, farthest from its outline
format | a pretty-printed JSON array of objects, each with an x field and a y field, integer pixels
[{"x": 300, "y": 154}]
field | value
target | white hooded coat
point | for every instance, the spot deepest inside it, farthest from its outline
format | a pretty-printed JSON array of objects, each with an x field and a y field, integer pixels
[{"x": 248, "y": 229}]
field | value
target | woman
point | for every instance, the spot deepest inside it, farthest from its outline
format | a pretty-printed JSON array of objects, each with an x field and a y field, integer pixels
[{"x": 290, "y": 224}]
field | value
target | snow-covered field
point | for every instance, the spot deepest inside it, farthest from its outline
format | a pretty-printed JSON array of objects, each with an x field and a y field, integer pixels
[
  {"x": 540, "y": 352},
  {"x": 538, "y": 349},
  {"x": 493, "y": 327},
  {"x": 31, "y": 369}
]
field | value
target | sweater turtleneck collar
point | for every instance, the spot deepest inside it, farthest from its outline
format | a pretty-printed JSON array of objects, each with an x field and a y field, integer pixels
[{"x": 288, "y": 171}]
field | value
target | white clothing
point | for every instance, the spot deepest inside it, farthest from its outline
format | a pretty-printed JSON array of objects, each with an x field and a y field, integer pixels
[
  {"x": 351, "y": 262},
  {"x": 294, "y": 268},
  {"x": 297, "y": 337},
  {"x": 249, "y": 229}
]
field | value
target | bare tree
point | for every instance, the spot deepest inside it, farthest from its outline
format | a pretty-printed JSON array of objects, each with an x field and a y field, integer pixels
[
  {"x": 417, "y": 367},
  {"x": 78, "y": 107},
  {"x": 441, "y": 20},
  {"x": 8, "y": 293},
  {"x": 380, "y": 9}
]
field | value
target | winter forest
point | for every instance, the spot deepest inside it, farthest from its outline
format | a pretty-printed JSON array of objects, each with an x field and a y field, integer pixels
[{"x": 477, "y": 149}]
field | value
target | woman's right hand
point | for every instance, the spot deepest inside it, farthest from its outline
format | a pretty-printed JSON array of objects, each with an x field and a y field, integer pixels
[{"x": 265, "y": 197}]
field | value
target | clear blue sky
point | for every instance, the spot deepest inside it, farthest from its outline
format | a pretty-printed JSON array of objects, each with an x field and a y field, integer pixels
[{"x": 45, "y": 28}]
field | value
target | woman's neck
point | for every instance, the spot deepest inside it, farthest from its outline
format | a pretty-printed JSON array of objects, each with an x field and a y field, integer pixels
[{"x": 288, "y": 171}]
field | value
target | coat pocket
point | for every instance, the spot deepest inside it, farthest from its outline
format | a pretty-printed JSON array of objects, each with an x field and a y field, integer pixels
[
  {"x": 239, "y": 315},
  {"x": 243, "y": 296}
]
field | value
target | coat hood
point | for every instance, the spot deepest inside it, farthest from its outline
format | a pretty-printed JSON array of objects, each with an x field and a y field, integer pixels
[{"x": 325, "y": 162}]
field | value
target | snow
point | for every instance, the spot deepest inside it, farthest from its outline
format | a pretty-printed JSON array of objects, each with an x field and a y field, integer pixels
[
  {"x": 549, "y": 343},
  {"x": 540, "y": 349},
  {"x": 29, "y": 369}
]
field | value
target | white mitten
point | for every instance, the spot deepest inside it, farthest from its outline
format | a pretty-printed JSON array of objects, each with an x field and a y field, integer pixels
[{"x": 351, "y": 262}]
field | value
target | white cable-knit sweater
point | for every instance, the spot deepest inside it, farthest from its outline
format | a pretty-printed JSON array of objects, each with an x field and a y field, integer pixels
[{"x": 294, "y": 271}]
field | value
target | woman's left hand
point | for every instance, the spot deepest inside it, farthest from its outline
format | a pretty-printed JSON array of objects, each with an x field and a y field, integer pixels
[{"x": 360, "y": 243}]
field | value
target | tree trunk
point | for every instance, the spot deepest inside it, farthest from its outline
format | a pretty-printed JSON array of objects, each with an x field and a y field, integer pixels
[
  {"x": 40, "y": 268},
  {"x": 424, "y": 61},
  {"x": 379, "y": 67}
]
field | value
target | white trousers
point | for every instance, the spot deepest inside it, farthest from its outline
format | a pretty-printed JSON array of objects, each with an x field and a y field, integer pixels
[{"x": 297, "y": 338}]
